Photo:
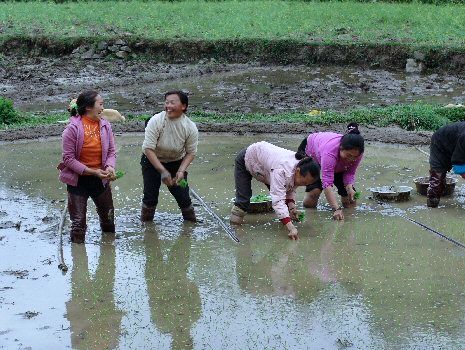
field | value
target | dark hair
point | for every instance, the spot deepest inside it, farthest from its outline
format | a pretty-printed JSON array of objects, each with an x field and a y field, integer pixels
[
  {"x": 352, "y": 139},
  {"x": 85, "y": 99},
  {"x": 182, "y": 96},
  {"x": 307, "y": 165}
]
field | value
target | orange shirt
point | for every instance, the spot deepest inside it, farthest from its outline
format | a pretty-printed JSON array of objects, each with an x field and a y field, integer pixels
[{"x": 91, "y": 153}]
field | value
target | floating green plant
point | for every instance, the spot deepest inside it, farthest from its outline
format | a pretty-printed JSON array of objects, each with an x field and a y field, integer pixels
[
  {"x": 119, "y": 174},
  {"x": 182, "y": 183},
  {"x": 301, "y": 216},
  {"x": 259, "y": 198},
  {"x": 357, "y": 195}
]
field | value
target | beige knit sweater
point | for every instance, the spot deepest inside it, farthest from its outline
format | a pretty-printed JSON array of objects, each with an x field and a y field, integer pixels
[{"x": 171, "y": 139}]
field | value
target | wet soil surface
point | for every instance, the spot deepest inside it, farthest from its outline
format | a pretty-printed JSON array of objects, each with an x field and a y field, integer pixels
[
  {"x": 374, "y": 281},
  {"x": 134, "y": 87}
]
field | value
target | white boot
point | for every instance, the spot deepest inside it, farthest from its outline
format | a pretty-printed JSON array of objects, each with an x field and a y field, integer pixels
[{"x": 237, "y": 216}]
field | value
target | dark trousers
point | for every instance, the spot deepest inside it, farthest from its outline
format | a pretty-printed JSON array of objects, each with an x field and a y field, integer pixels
[
  {"x": 243, "y": 182},
  {"x": 338, "y": 182},
  {"x": 152, "y": 183},
  {"x": 90, "y": 186}
]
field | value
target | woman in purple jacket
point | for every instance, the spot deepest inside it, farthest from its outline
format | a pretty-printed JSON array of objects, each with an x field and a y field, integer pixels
[
  {"x": 88, "y": 164},
  {"x": 339, "y": 157}
]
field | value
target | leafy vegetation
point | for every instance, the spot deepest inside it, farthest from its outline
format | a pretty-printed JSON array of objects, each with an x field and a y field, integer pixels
[
  {"x": 321, "y": 23},
  {"x": 8, "y": 115},
  {"x": 417, "y": 116}
]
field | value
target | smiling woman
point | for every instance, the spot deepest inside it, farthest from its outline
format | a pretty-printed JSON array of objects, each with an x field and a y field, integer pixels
[
  {"x": 169, "y": 147},
  {"x": 88, "y": 164}
]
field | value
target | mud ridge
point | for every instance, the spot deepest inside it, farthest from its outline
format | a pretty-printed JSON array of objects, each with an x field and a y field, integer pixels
[
  {"x": 385, "y": 55},
  {"x": 391, "y": 134}
]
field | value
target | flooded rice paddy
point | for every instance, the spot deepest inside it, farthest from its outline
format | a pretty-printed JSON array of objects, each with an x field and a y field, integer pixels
[
  {"x": 374, "y": 281},
  {"x": 138, "y": 86}
]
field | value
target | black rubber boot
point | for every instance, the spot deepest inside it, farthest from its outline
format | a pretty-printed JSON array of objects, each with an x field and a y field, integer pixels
[{"x": 437, "y": 184}]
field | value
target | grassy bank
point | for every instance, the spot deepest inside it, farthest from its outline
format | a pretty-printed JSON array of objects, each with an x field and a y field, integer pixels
[
  {"x": 409, "y": 117},
  {"x": 416, "y": 25}
]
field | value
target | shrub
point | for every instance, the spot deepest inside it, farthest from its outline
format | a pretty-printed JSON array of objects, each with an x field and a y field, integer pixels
[{"x": 8, "y": 115}]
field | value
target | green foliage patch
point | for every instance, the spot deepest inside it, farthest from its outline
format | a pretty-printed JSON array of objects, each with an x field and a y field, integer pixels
[{"x": 8, "y": 115}]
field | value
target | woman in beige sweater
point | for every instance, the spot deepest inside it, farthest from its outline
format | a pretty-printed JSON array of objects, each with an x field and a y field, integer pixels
[{"x": 169, "y": 147}]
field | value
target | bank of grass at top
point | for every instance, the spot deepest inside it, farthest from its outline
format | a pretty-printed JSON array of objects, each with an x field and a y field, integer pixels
[
  {"x": 410, "y": 117},
  {"x": 412, "y": 24}
]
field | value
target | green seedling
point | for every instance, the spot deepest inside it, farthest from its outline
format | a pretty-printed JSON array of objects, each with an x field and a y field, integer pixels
[
  {"x": 301, "y": 216},
  {"x": 182, "y": 183},
  {"x": 357, "y": 195},
  {"x": 259, "y": 198},
  {"x": 119, "y": 174}
]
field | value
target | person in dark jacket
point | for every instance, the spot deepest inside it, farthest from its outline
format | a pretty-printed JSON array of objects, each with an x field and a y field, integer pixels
[{"x": 447, "y": 151}]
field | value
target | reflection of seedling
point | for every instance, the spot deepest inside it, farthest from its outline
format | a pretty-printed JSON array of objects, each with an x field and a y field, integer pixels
[
  {"x": 357, "y": 195},
  {"x": 259, "y": 198},
  {"x": 301, "y": 216},
  {"x": 182, "y": 183},
  {"x": 119, "y": 174}
]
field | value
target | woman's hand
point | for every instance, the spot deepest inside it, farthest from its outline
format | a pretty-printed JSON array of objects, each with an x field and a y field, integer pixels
[
  {"x": 338, "y": 214},
  {"x": 351, "y": 193},
  {"x": 292, "y": 231},
  {"x": 111, "y": 173},
  {"x": 101, "y": 174},
  {"x": 167, "y": 179},
  {"x": 179, "y": 177}
]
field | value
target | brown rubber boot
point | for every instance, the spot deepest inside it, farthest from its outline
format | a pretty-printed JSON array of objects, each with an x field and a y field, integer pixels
[
  {"x": 147, "y": 213},
  {"x": 437, "y": 184},
  {"x": 237, "y": 215},
  {"x": 105, "y": 210},
  {"x": 77, "y": 208},
  {"x": 188, "y": 214}
]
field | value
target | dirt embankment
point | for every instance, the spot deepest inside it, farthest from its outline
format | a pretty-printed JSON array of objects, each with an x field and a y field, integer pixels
[
  {"x": 244, "y": 51},
  {"x": 371, "y": 133}
]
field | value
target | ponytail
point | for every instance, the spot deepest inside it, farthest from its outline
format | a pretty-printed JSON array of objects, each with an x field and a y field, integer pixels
[
  {"x": 352, "y": 139},
  {"x": 307, "y": 165}
]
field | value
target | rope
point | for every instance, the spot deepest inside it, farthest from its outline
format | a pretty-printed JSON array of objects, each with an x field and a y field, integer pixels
[
  {"x": 442, "y": 235},
  {"x": 61, "y": 260},
  {"x": 212, "y": 213}
]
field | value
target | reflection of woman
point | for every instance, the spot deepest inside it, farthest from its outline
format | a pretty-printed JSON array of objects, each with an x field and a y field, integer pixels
[
  {"x": 339, "y": 157},
  {"x": 173, "y": 298},
  {"x": 88, "y": 164},
  {"x": 95, "y": 320},
  {"x": 169, "y": 147}
]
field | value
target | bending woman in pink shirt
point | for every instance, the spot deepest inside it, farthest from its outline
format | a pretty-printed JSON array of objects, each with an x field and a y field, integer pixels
[
  {"x": 278, "y": 168},
  {"x": 339, "y": 157}
]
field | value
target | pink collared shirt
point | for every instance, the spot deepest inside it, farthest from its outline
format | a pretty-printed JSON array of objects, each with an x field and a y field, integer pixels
[{"x": 274, "y": 166}]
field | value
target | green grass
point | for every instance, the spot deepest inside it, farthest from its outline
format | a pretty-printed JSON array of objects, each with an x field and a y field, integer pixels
[
  {"x": 410, "y": 117},
  {"x": 412, "y": 24}
]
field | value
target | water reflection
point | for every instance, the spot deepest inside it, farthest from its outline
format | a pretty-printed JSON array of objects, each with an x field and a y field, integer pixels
[
  {"x": 174, "y": 299},
  {"x": 94, "y": 318}
]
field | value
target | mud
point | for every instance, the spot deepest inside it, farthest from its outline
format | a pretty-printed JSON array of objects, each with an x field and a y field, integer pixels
[{"x": 374, "y": 281}]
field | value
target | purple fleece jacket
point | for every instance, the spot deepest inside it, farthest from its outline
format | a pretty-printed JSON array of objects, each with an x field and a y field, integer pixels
[{"x": 73, "y": 139}]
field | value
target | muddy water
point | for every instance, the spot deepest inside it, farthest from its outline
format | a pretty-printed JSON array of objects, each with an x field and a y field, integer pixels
[
  {"x": 372, "y": 281},
  {"x": 137, "y": 87}
]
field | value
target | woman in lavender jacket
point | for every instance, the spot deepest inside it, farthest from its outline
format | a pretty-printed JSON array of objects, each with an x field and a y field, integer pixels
[
  {"x": 278, "y": 168},
  {"x": 88, "y": 164},
  {"x": 339, "y": 157}
]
